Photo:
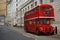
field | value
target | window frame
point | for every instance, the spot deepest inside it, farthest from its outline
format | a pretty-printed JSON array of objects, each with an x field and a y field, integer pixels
[
  {"x": 35, "y": 3},
  {"x": 41, "y": 1},
  {"x": 16, "y": 4},
  {"x": 51, "y": 1},
  {"x": 32, "y": 5},
  {"x": 28, "y": 7}
]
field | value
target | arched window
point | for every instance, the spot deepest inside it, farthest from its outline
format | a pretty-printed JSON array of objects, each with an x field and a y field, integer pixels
[{"x": 35, "y": 3}]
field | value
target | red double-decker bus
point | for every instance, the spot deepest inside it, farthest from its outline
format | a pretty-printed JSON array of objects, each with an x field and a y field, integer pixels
[{"x": 39, "y": 19}]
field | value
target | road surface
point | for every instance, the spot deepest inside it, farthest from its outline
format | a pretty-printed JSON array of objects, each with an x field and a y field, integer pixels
[
  {"x": 15, "y": 33},
  {"x": 7, "y": 34},
  {"x": 40, "y": 37}
]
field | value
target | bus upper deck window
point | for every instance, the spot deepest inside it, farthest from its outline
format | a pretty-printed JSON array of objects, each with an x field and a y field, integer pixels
[
  {"x": 49, "y": 8},
  {"x": 42, "y": 8}
]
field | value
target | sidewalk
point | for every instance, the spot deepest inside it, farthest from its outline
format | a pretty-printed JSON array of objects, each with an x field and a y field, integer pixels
[
  {"x": 21, "y": 30},
  {"x": 17, "y": 28}
]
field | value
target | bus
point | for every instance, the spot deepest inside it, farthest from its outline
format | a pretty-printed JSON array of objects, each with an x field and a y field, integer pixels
[{"x": 39, "y": 19}]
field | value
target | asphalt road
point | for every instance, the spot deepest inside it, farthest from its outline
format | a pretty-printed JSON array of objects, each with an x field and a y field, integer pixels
[
  {"x": 8, "y": 34},
  {"x": 15, "y": 33},
  {"x": 40, "y": 37}
]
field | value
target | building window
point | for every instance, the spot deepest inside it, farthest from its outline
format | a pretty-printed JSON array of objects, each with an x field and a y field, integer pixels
[
  {"x": 51, "y": 0},
  {"x": 32, "y": 5},
  {"x": 35, "y": 3},
  {"x": 8, "y": 1},
  {"x": 41, "y": 1},
  {"x": 28, "y": 7},
  {"x": 16, "y": 9},
  {"x": 16, "y": 4},
  {"x": 25, "y": 9},
  {"x": 16, "y": 0}
]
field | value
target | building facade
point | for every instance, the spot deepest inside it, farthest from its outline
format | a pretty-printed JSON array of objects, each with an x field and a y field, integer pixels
[
  {"x": 3, "y": 4},
  {"x": 11, "y": 11},
  {"x": 18, "y": 14},
  {"x": 29, "y": 4}
]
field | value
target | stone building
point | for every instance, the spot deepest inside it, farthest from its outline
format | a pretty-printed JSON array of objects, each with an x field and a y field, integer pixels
[{"x": 3, "y": 5}]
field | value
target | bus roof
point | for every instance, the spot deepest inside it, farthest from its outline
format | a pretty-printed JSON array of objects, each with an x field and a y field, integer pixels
[{"x": 40, "y": 5}]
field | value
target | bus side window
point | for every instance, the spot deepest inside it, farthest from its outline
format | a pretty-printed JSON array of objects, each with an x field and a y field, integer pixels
[
  {"x": 27, "y": 22},
  {"x": 37, "y": 21},
  {"x": 31, "y": 22},
  {"x": 42, "y": 8},
  {"x": 37, "y": 9},
  {"x": 33, "y": 11},
  {"x": 34, "y": 22},
  {"x": 30, "y": 12}
]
